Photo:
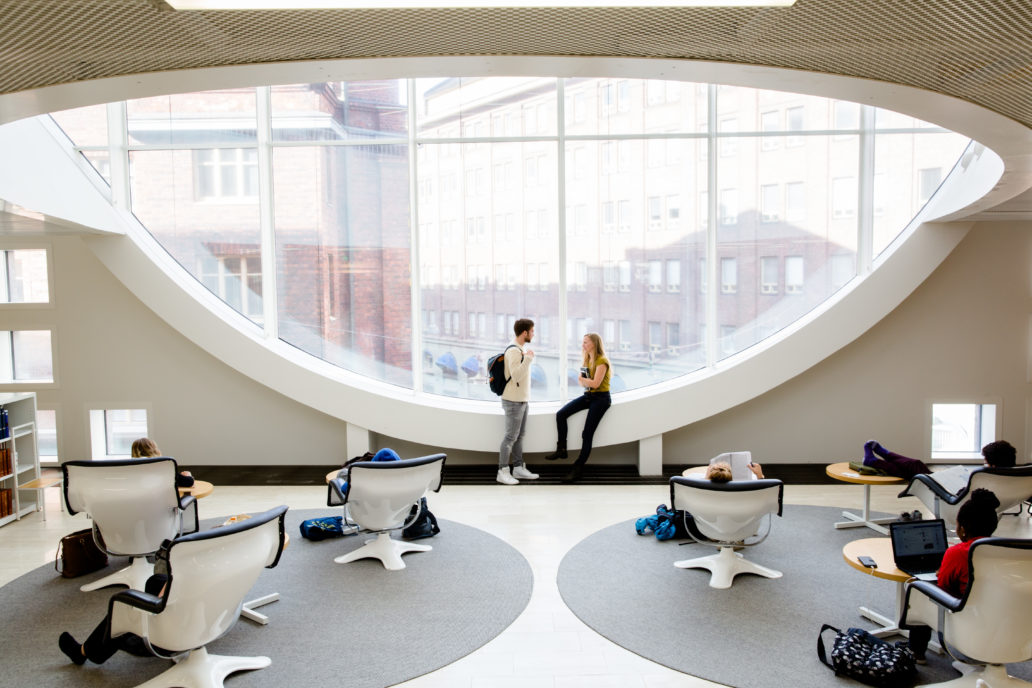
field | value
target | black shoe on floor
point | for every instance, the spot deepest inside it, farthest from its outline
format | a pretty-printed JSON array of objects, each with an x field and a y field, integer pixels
[
  {"x": 559, "y": 453},
  {"x": 70, "y": 647}
]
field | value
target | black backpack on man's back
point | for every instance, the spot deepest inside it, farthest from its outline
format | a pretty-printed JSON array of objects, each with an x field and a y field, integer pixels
[{"x": 496, "y": 371}]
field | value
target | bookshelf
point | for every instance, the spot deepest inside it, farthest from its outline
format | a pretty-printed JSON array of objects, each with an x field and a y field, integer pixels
[{"x": 19, "y": 459}]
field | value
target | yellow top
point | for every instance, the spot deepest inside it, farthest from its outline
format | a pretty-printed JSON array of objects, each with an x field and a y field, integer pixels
[{"x": 604, "y": 386}]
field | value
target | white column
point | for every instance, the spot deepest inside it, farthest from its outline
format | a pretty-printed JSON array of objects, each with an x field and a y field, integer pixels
[
  {"x": 358, "y": 440},
  {"x": 650, "y": 455}
]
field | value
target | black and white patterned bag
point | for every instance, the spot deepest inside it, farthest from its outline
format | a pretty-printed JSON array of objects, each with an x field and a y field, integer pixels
[{"x": 858, "y": 654}]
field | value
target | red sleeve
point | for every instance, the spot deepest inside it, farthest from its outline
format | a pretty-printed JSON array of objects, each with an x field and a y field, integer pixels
[{"x": 953, "y": 572}]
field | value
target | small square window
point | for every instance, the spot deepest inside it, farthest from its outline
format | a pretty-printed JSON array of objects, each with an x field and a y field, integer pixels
[{"x": 112, "y": 431}]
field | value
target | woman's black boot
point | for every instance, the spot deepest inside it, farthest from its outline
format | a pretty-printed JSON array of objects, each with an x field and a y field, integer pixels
[{"x": 559, "y": 453}]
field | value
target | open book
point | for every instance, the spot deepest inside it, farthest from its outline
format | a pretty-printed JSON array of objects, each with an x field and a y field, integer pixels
[{"x": 739, "y": 462}]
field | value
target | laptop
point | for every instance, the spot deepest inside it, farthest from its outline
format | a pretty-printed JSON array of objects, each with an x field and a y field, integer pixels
[{"x": 918, "y": 546}]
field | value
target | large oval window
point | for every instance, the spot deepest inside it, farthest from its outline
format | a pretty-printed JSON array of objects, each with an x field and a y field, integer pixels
[{"x": 413, "y": 221}]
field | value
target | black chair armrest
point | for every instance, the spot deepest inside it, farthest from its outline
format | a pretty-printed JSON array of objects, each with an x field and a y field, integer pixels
[
  {"x": 188, "y": 505},
  {"x": 138, "y": 599},
  {"x": 933, "y": 485},
  {"x": 935, "y": 594},
  {"x": 336, "y": 492}
]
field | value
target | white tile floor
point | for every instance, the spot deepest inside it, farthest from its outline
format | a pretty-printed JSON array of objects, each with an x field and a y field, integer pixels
[{"x": 547, "y": 646}]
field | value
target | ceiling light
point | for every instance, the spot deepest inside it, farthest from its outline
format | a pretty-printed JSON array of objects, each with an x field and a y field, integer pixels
[{"x": 438, "y": 4}]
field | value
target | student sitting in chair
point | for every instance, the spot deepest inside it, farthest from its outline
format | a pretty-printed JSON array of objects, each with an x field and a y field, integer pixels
[{"x": 976, "y": 519}]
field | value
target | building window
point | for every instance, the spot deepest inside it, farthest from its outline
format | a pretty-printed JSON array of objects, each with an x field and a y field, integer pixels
[
  {"x": 609, "y": 330},
  {"x": 226, "y": 173},
  {"x": 770, "y": 203},
  {"x": 959, "y": 431},
  {"x": 793, "y": 274},
  {"x": 728, "y": 275},
  {"x": 794, "y": 120},
  {"x": 673, "y": 338},
  {"x": 112, "y": 431},
  {"x": 703, "y": 277},
  {"x": 46, "y": 434},
  {"x": 625, "y": 335},
  {"x": 623, "y": 212},
  {"x": 580, "y": 276},
  {"x": 610, "y": 275},
  {"x": 655, "y": 206},
  {"x": 655, "y": 275},
  {"x": 673, "y": 208},
  {"x": 673, "y": 276},
  {"x": 843, "y": 197},
  {"x": 237, "y": 280},
  {"x": 728, "y": 211},
  {"x": 769, "y": 275},
  {"x": 26, "y": 356},
  {"x": 608, "y": 216},
  {"x": 655, "y": 338},
  {"x": 625, "y": 275},
  {"x": 23, "y": 276}
]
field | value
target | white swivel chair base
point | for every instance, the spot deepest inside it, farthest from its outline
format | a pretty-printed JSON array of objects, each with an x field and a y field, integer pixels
[
  {"x": 384, "y": 548},
  {"x": 202, "y": 670},
  {"x": 993, "y": 676},
  {"x": 135, "y": 576},
  {"x": 725, "y": 565}
]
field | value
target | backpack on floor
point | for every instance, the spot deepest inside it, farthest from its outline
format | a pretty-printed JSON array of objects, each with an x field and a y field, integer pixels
[
  {"x": 666, "y": 524},
  {"x": 858, "y": 654},
  {"x": 322, "y": 528},
  {"x": 496, "y": 372},
  {"x": 425, "y": 524}
]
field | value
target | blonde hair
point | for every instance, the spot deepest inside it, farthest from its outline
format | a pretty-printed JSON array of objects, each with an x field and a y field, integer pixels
[
  {"x": 599, "y": 350},
  {"x": 719, "y": 472},
  {"x": 144, "y": 448}
]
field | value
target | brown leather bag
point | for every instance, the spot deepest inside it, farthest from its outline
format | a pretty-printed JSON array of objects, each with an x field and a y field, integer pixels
[{"x": 78, "y": 554}]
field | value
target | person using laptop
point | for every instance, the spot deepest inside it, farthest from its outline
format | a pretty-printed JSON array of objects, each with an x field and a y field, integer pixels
[{"x": 976, "y": 519}]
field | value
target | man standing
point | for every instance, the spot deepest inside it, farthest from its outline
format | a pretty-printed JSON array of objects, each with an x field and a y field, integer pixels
[{"x": 515, "y": 404}]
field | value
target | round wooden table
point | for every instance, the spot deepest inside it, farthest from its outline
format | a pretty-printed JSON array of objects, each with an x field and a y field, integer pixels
[
  {"x": 842, "y": 471},
  {"x": 200, "y": 489},
  {"x": 880, "y": 549}
]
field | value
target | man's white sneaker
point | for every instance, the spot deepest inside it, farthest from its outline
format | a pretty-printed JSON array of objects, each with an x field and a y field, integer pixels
[
  {"x": 523, "y": 473},
  {"x": 504, "y": 478}
]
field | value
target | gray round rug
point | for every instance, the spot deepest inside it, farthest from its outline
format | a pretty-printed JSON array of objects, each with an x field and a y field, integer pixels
[
  {"x": 351, "y": 624},
  {"x": 760, "y": 633}
]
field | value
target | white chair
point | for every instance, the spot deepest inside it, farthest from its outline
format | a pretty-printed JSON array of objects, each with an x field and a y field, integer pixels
[
  {"x": 209, "y": 574},
  {"x": 135, "y": 506},
  {"x": 991, "y": 624},
  {"x": 378, "y": 496},
  {"x": 1011, "y": 486},
  {"x": 728, "y": 514}
]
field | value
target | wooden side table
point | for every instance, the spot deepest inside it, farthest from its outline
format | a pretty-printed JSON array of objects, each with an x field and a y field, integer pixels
[
  {"x": 842, "y": 471},
  {"x": 880, "y": 549},
  {"x": 200, "y": 489}
]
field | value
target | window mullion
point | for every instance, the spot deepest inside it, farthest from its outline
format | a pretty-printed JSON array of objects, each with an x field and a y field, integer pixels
[
  {"x": 266, "y": 214},
  {"x": 865, "y": 190},
  {"x": 560, "y": 109},
  {"x": 712, "y": 269},
  {"x": 415, "y": 256}
]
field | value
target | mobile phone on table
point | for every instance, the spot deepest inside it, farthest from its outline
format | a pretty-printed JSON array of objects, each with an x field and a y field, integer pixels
[{"x": 868, "y": 562}]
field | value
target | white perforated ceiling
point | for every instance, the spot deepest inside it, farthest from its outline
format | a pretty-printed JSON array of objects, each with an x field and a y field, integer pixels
[{"x": 977, "y": 51}]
